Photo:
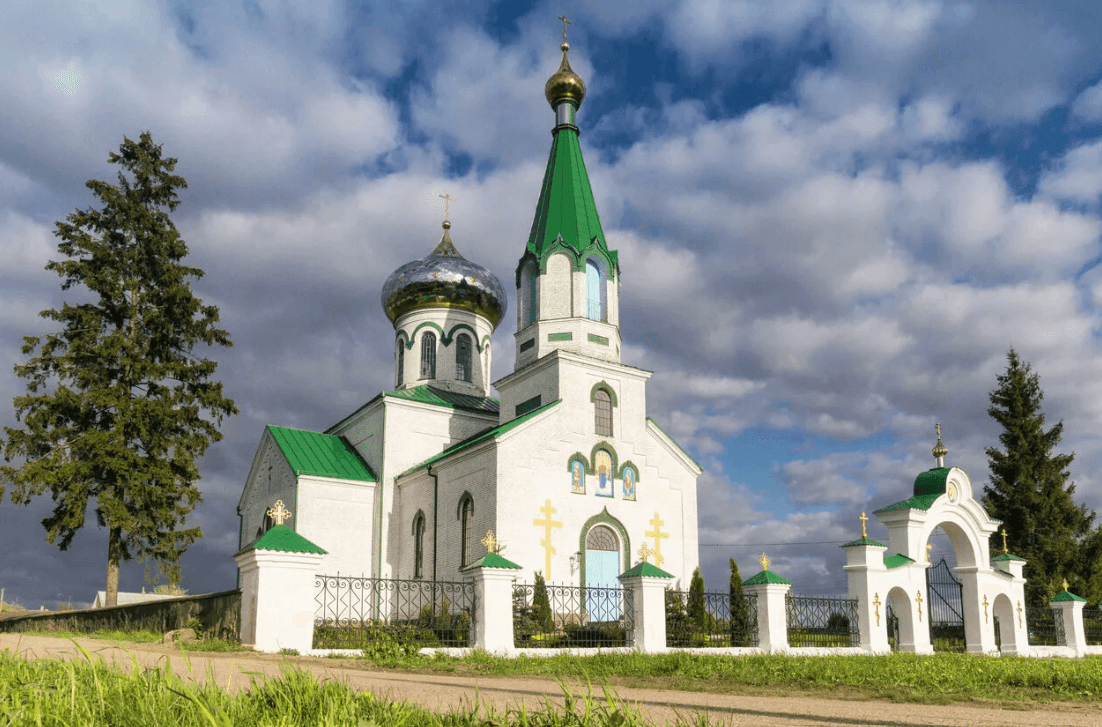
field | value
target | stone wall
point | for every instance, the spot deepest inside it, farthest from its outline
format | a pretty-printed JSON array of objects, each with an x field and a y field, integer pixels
[{"x": 217, "y": 612}]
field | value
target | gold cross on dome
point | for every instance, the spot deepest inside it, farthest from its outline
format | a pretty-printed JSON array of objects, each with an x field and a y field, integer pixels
[
  {"x": 446, "y": 199},
  {"x": 1005, "y": 550},
  {"x": 765, "y": 562},
  {"x": 644, "y": 552},
  {"x": 876, "y": 605},
  {"x": 938, "y": 427},
  {"x": 490, "y": 542},
  {"x": 279, "y": 513},
  {"x": 565, "y": 23},
  {"x": 864, "y": 519},
  {"x": 918, "y": 600}
]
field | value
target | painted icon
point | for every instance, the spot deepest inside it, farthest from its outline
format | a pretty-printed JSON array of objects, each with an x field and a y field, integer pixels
[
  {"x": 629, "y": 484},
  {"x": 577, "y": 477},
  {"x": 603, "y": 465}
]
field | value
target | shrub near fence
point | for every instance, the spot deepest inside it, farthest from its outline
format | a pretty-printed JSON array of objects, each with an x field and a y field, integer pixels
[
  {"x": 217, "y": 613},
  {"x": 825, "y": 622},
  {"x": 560, "y": 617},
  {"x": 363, "y": 613},
  {"x": 712, "y": 625}
]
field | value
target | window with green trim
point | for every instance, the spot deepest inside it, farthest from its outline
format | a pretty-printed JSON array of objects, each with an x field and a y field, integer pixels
[
  {"x": 463, "y": 357},
  {"x": 401, "y": 361},
  {"x": 428, "y": 355},
  {"x": 466, "y": 519},
  {"x": 594, "y": 310},
  {"x": 602, "y": 407},
  {"x": 529, "y": 300}
]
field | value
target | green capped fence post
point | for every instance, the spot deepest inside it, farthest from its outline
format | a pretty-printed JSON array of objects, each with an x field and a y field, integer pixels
[{"x": 492, "y": 621}]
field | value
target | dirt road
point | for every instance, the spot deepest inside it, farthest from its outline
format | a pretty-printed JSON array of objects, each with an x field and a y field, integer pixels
[{"x": 234, "y": 671}]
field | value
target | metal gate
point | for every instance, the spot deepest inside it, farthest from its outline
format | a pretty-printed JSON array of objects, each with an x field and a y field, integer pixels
[{"x": 946, "y": 608}]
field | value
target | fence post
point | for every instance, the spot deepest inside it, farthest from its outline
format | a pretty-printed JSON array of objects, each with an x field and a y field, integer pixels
[
  {"x": 492, "y": 625},
  {"x": 772, "y": 592},
  {"x": 278, "y": 572},
  {"x": 648, "y": 595},
  {"x": 1069, "y": 606},
  {"x": 868, "y": 584}
]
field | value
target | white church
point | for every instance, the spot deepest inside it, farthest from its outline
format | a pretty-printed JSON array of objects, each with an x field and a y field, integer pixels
[{"x": 565, "y": 467}]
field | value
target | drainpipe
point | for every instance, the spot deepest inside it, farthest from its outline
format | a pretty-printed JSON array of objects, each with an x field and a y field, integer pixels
[{"x": 435, "y": 509}]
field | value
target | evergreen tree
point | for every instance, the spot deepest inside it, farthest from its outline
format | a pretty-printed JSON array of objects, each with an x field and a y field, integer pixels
[
  {"x": 695, "y": 606},
  {"x": 115, "y": 401},
  {"x": 541, "y": 605},
  {"x": 1030, "y": 489},
  {"x": 740, "y": 609}
]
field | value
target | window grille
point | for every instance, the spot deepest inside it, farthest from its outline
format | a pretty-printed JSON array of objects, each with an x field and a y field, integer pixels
[
  {"x": 401, "y": 361},
  {"x": 419, "y": 545},
  {"x": 428, "y": 355},
  {"x": 463, "y": 357},
  {"x": 603, "y": 410},
  {"x": 467, "y": 524}
]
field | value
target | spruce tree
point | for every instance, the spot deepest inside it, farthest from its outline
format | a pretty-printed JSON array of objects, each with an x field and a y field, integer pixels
[
  {"x": 740, "y": 609},
  {"x": 1030, "y": 489},
  {"x": 118, "y": 406},
  {"x": 695, "y": 605},
  {"x": 541, "y": 605}
]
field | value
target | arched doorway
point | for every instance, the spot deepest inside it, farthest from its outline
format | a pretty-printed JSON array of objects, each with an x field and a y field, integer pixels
[
  {"x": 602, "y": 567},
  {"x": 1002, "y": 614},
  {"x": 901, "y": 620}
]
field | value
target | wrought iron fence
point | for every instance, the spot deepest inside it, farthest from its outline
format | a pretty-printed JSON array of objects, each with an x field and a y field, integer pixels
[
  {"x": 945, "y": 597},
  {"x": 1092, "y": 625},
  {"x": 558, "y": 617},
  {"x": 1046, "y": 626},
  {"x": 381, "y": 612},
  {"x": 822, "y": 621},
  {"x": 710, "y": 622}
]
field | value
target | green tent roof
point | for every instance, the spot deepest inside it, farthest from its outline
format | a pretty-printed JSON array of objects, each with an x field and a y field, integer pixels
[
  {"x": 918, "y": 502},
  {"x": 766, "y": 577},
  {"x": 894, "y": 561},
  {"x": 440, "y": 397},
  {"x": 491, "y": 433},
  {"x": 492, "y": 560},
  {"x": 1007, "y": 556},
  {"x": 645, "y": 569},
  {"x": 863, "y": 541},
  {"x": 321, "y": 455},
  {"x": 1068, "y": 596},
  {"x": 566, "y": 208},
  {"x": 931, "y": 482},
  {"x": 282, "y": 539}
]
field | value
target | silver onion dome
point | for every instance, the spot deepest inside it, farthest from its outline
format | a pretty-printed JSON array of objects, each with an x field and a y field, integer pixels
[{"x": 444, "y": 279}]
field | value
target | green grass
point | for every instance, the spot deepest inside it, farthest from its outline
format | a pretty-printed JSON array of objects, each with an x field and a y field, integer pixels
[
  {"x": 88, "y": 692},
  {"x": 149, "y": 637}
]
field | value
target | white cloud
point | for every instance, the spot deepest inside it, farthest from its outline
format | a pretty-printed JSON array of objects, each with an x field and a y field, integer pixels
[{"x": 1078, "y": 176}]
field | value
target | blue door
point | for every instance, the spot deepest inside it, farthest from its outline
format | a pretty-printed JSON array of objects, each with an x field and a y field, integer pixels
[{"x": 602, "y": 567}]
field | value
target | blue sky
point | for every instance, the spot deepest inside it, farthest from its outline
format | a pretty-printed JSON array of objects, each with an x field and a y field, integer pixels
[{"x": 833, "y": 220}]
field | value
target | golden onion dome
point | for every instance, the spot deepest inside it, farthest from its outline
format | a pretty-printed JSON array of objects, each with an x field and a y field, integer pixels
[{"x": 565, "y": 85}]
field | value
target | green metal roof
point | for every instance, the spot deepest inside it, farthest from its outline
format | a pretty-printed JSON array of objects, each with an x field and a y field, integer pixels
[
  {"x": 931, "y": 482},
  {"x": 491, "y": 433},
  {"x": 645, "y": 569},
  {"x": 1068, "y": 596},
  {"x": 440, "y": 397},
  {"x": 863, "y": 541},
  {"x": 281, "y": 538},
  {"x": 492, "y": 560},
  {"x": 566, "y": 208},
  {"x": 321, "y": 455},
  {"x": 918, "y": 502},
  {"x": 894, "y": 561},
  {"x": 1007, "y": 556},
  {"x": 766, "y": 577}
]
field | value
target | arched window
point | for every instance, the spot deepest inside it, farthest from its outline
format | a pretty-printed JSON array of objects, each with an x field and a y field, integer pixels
[
  {"x": 466, "y": 519},
  {"x": 401, "y": 361},
  {"x": 419, "y": 545},
  {"x": 428, "y": 355},
  {"x": 594, "y": 301},
  {"x": 529, "y": 300},
  {"x": 463, "y": 357},
  {"x": 602, "y": 409}
]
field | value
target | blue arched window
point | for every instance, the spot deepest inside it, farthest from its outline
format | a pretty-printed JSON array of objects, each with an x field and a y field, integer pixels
[
  {"x": 428, "y": 355},
  {"x": 594, "y": 301},
  {"x": 463, "y": 357}
]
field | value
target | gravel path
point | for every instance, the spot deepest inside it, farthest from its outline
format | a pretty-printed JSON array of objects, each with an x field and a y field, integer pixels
[{"x": 235, "y": 671}]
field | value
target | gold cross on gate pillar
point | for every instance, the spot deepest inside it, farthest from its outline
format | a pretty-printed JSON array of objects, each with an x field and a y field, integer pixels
[
  {"x": 565, "y": 23},
  {"x": 1019, "y": 614},
  {"x": 876, "y": 605},
  {"x": 490, "y": 542},
  {"x": 279, "y": 513},
  {"x": 929, "y": 547},
  {"x": 547, "y": 523},
  {"x": 1005, "y": 550},
  {"x": 918, "y": 600},
  {"x": 1065, "y": 584},
  {"x": 658, "y": 536},
  {"x": 765, "y": 562},
  {"x": 644, "y": 552},
  {"x": 446, "y": 199},
  {"x": 864, "y": 519},
  {"x": 985, "y": 608}
]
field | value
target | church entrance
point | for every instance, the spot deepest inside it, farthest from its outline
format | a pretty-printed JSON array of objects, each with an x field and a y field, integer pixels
[{"x": 602, "y": 567}]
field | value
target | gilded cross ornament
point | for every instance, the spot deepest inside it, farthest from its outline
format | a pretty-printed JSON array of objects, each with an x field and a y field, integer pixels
[
  {"x": 929, "y": 549},
  {"x": 1019, "y": 614},
  {"x": 765, "y": 562},
  {"x": 1005, "y": 549},
  {"x": 490, "y": 542},
  {"x": 446, "y": 199},
  {"x": 918, "y": 600},
  {"x": 279, "y": 513},
  {"x": 939, "y": 451},
  {"x": 985, "y": 608},
  {"x": 547, "y": 523},
  {"x": 864, "y": 519},
  {"x": 645, "y": 552},
  {"x": 658, "y": 536},
  {"x": 565, "y": 23},
  {"x": 1065, "y": 584},
  {"x": 876, "y": 606}
]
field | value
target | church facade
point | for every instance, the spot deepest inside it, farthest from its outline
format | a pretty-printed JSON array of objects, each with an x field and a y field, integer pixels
[{"x": 565, "y": 467}]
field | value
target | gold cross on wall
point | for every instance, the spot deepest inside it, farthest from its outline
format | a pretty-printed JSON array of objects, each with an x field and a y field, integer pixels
[
  {"x": 279, "y": 513},
  {"x": 565, "y": 23},
  {"x": 876, "y": 605},
  {"x": 490, "y": 542},
  {"x": 644, "y": 552},
  {"x": 765, "y": 562},
  {"x": 547, "y": 523},
  {"x": 658, "y": 536},
  {"x": 929, "y": 548},
  {"x": 918, "y": 600},
  {"x": 446, "y": 199},
  {"x": 864, "y": 519}
]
